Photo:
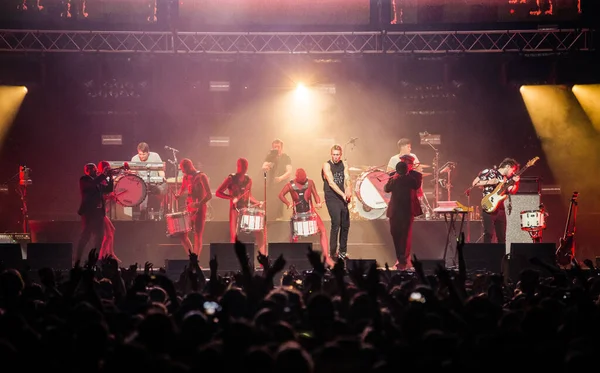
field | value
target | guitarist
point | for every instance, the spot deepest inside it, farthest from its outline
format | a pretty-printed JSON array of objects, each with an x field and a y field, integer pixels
[
  {"x": 488, "y": 179},
  {"x": 198, "y": 194}
]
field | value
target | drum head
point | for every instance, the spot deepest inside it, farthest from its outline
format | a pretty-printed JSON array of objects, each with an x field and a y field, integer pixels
[
  {"x": 130, "y": 190},
  {"x": 368, "y": 213},
  {"x": 369, "y": 189}
]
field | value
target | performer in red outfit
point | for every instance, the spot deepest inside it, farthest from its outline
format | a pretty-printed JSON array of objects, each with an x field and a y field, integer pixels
[
  {"x": 198, "y": 194},
  {"x": 303, "y": 192},
  {"x": 237, "y": 188}
]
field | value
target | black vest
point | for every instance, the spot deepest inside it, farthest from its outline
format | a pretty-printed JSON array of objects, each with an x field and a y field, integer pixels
[{"x": 303, "y": 205}]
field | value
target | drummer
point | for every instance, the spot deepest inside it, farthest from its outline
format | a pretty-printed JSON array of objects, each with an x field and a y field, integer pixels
[
  {"x": 145, "y": 155},
  {"x": 303, "y": 191},
  {"x": 237, "y": 188}
]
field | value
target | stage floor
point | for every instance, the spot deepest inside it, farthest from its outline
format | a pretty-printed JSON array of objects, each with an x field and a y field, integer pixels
[{"x": 141, "y": 241}]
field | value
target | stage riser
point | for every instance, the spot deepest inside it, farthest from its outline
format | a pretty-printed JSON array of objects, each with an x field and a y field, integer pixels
[{"x": 141, "y": 241}]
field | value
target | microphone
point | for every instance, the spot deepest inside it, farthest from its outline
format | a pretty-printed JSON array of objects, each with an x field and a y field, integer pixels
[{"x": 171, "y": 149}]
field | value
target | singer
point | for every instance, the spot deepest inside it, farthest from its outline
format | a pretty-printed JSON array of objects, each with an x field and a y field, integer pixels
[
  {"x": 237, "y": 188},
  {"x": 278, "y": 167},
  {"x": 338, "y": 192}
]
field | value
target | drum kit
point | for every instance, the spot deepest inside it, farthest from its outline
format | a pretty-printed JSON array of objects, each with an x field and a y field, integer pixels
[{"x": 370, "y": 201}]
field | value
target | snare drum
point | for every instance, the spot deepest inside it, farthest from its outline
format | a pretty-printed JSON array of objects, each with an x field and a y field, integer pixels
[
  {"x": 251, "y": 220},
  {"x": 178, "y": 223},
  {"x": 304, "y": 224},
  {"x": 533, "y": 220},
  {"x": 130, "y": 190}
]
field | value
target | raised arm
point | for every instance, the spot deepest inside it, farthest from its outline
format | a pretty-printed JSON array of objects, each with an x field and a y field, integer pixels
[
  {"x": 329, "y": 178},
  {"x": 223, "y": 188},
  {"x": 288, "y": 172}
]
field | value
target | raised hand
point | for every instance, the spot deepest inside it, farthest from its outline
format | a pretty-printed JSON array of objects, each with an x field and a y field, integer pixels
[
  {"x": 92, "y": 258},
  {"x": 279, "y": 264},
  {"x": 213, "y": 264},
  {"x": 263, "y": 260},
  {"x": 148, "y": 268}
]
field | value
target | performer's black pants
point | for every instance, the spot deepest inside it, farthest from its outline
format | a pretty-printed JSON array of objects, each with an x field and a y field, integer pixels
[
  {"x": 401, "y": 230},
  {"x": 494, "y": 222},
  {"x": 340, "y": 224},
  {"x": 92, "y": 224}
]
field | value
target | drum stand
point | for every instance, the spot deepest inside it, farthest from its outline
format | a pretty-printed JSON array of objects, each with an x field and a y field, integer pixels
[{"x": 536, "y": 235}]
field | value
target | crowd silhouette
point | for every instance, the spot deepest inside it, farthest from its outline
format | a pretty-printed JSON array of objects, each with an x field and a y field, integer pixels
[{"x": 101, "y": 318}]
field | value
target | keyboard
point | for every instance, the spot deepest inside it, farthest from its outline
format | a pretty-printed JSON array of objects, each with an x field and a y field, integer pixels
[
  {"x": 139, "y": 166},
  {"x": 452, "y": 206}
]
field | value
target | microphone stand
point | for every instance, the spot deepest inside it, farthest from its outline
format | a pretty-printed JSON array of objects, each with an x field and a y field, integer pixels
[
  {"x": 351, "y": 142},
  {"x": 436, "y": 172},
  {"x": 265, "y": 226},
  {"x": 175, "y": 163}
]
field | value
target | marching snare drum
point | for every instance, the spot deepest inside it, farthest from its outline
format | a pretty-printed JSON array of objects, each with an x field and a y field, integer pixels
[
  {"x": 251, "y": 219},
  {"x": 178, "y": 223},
  {"x": 304, "y": 224},
  {"x": 533, "y": 220},
  {"x": 372, "y": 200},
  {"x": 130, "y": 190}
]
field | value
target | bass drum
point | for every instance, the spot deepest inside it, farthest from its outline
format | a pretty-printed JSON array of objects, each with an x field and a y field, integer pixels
[
  {"x": 367, "y": 213},
  {"x": 130, "y": 190},
  {"x": 371, "y": 201}
]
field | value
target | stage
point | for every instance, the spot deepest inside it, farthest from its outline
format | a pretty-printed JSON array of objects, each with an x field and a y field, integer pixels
[{"x": 141, "y": 241}]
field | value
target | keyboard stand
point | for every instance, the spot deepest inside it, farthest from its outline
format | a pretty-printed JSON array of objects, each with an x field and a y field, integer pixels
[{"x": 451, "y": 227}]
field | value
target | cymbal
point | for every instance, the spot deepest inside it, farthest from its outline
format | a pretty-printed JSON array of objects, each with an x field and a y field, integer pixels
[
  {"x": 171, "y": 180},
  {"x": 423, "y": 166},
  {"x": 426, "y": 174}
]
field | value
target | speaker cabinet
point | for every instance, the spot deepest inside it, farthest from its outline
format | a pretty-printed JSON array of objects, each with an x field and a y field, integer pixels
[
  {"x": 518, "y": 203},
  {"x": 484, "y": 256},
  {"x": 522, "y": 253},
  {"x": 294, "y": 253},
  {"x": 58, "y": 256},
  {"x": 226, "y": 257},
  {"x": 10, "y": 255}
]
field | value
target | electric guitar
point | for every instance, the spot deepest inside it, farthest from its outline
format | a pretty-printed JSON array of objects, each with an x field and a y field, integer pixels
[
  {"x": 566, "y": 247},
  {"x": 491, "y": 202}
]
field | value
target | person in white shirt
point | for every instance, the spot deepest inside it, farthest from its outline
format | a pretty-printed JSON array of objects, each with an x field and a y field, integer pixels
[
  {"x": 145, "y": 155},
  {"x": 404, "y": 148}
]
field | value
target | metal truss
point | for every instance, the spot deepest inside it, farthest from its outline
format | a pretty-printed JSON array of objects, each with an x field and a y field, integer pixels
[{"x": 295, "y": 42}]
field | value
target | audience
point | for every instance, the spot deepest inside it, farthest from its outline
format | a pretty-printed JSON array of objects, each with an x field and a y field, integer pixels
[{"x": 100, "y": 318}]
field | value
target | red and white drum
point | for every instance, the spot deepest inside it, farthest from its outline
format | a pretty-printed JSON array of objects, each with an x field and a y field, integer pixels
[
  {"x": 251, "y": 220},
  {"x": 130, "y": 190},
  {"x": 178, "y": 223},
  {"x": 304, "y": 224},
  {"x": 372, "y": 201},
  {"x": 533, "y": 220}
]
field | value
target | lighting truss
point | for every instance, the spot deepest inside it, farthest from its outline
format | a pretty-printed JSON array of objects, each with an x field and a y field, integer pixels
[{"x": 295, "y": 42}]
